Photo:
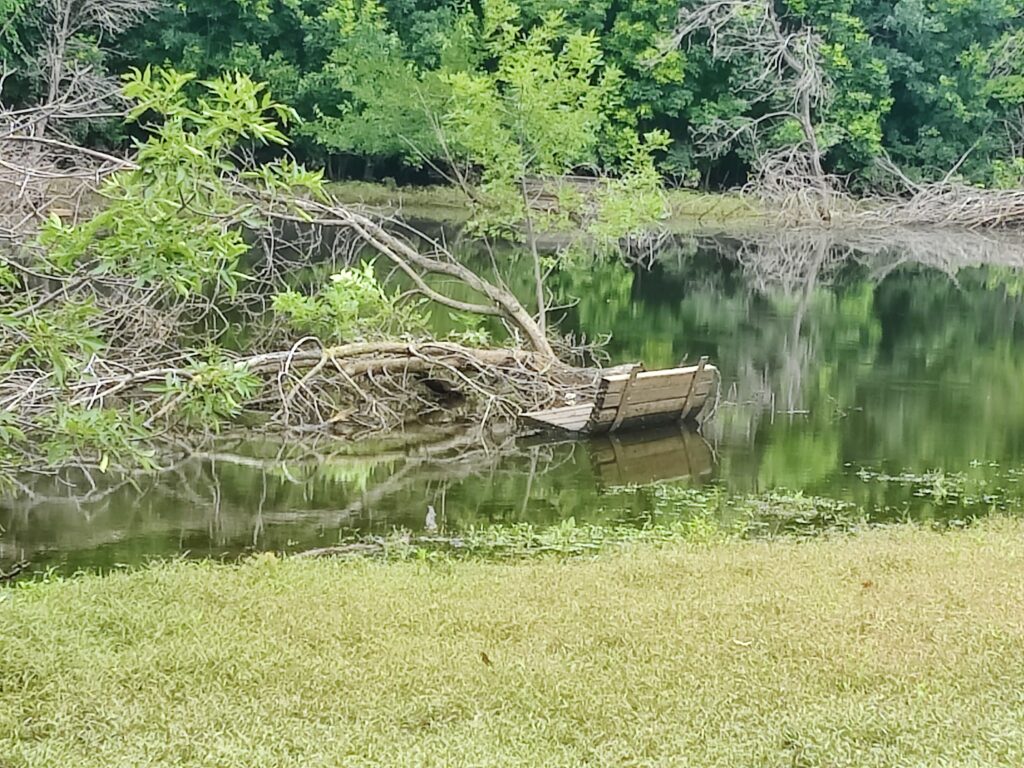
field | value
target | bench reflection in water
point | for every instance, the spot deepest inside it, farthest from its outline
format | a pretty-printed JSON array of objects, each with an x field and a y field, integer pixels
[{"x": 637, "y": 458}]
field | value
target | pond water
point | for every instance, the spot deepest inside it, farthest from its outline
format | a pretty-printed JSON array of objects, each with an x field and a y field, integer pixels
[{"x": 884, "y": 372}]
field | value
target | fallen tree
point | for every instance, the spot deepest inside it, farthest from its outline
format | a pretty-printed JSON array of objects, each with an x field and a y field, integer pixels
[{"x": 197, "y": 287}]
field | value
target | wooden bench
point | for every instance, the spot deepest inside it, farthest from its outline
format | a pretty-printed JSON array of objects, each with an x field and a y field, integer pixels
[{"x": 636, "y": 399}]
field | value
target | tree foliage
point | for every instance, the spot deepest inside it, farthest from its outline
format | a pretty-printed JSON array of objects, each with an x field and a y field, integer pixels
[
  {"x": 352, "y": 306},
  {"x": 545, "y": 105},
  {"x": 172, "y": 220},
  {"x": 933, "y": 85}
]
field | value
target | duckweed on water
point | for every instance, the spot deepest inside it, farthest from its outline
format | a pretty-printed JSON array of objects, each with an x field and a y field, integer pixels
[
  {"x": 677, "y": 516},
  {"x": 668, "y": 514},
  {"x": 671, "y": 515},
  {"x": 736, "y": 515},
  {"x": 956, "y": 489}
]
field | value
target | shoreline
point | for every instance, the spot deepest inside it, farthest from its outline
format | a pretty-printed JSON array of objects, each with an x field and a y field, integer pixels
[{"x": 689, "y": 210}]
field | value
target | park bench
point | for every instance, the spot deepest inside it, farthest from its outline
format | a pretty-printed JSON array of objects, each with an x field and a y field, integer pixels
[{"x": 636, "y": 400}]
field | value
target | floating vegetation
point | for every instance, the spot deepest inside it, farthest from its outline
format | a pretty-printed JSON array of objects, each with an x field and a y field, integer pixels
[
  {"x": 954, "y": 489},
  {"x": 752, "y": 515},
  {"x": 568, "y": 538},
  {"x": 697, "y": 516}
]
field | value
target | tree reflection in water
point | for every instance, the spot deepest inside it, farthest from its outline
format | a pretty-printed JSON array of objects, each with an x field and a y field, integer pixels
[{"x": 899, "y": 352}]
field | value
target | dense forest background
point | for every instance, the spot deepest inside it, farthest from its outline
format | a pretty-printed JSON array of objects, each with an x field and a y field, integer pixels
[{"x": 933, "y": 87}]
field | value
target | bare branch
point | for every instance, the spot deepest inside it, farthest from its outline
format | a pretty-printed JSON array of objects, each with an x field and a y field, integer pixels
[{"x": 781, "y": 76}]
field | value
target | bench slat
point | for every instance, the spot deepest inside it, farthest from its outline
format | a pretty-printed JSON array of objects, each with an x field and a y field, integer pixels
[
  {"x": 613, "y": 384},
  {"x": 668, "y": 407},
  {"x": 624, "y": 399},
  {"x": 571, "y": 417},
  {"x": 615, "y": 380},
  {"x": 662, "y": 389}
]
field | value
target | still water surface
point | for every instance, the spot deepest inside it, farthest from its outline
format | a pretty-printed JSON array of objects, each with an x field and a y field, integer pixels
[{"x": 888, "y": 373}]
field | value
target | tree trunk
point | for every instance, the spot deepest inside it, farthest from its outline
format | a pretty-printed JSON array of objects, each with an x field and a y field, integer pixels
[{"x": 531, "y": 238}]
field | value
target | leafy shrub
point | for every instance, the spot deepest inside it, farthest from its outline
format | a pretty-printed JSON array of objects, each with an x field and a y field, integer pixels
[
  {"x": 59, "y": 341},
  {"x": 173, "y": 220},
  {"x": 211, "y": 392},
  {"x": 105, "y": 434},
  {"x": 352, "y": 306}
]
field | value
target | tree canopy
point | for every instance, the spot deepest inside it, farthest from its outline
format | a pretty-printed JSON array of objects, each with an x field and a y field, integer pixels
[{"x": 934, "y": 86}]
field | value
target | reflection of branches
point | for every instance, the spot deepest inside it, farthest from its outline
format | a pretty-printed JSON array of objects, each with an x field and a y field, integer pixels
[
  {"x": 788, "y": 260},
  {"x": 784, "y": 259},
  {"x": 462, "y": 456},
  {"x": 465, "y": 456},
  {"x": 196, "y": 494},
  {"x": 792, "y": 264}
]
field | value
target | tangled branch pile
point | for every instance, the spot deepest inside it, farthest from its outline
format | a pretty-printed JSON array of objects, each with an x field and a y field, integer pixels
[
  {"x": 194, "y": 285},
  {"x": 951, "y": 204}
]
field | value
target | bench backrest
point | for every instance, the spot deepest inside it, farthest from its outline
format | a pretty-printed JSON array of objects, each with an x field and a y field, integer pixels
[{"x": 670, "y": 394}]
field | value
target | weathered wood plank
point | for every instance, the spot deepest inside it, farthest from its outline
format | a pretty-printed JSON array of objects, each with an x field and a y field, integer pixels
[
  {"x": 572, "y": 417},
  {"x": 562, "y": 418},
  {"x": 674, "y": 405},
  {"x": 689, "y": 392},
  {"x": 662, "y": 390},
  {"x": 615, "y": 380},
  {"x": 602, "y": 391},
  {"x": 651, "y": 383},
  {"x": 567, "y": 410},
  {"x": 624, "y": 400},
  {"x": 645, "y": 391}
]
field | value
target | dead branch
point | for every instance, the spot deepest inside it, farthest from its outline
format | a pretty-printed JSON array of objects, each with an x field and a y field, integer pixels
[
  {"x": 416, "y": 265},
  {"x": 948, "y": 204},
  {"x": 782, "y": 77},
  {"x": 74, "y": 90},
  {"x": 43, "y": 172}
]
